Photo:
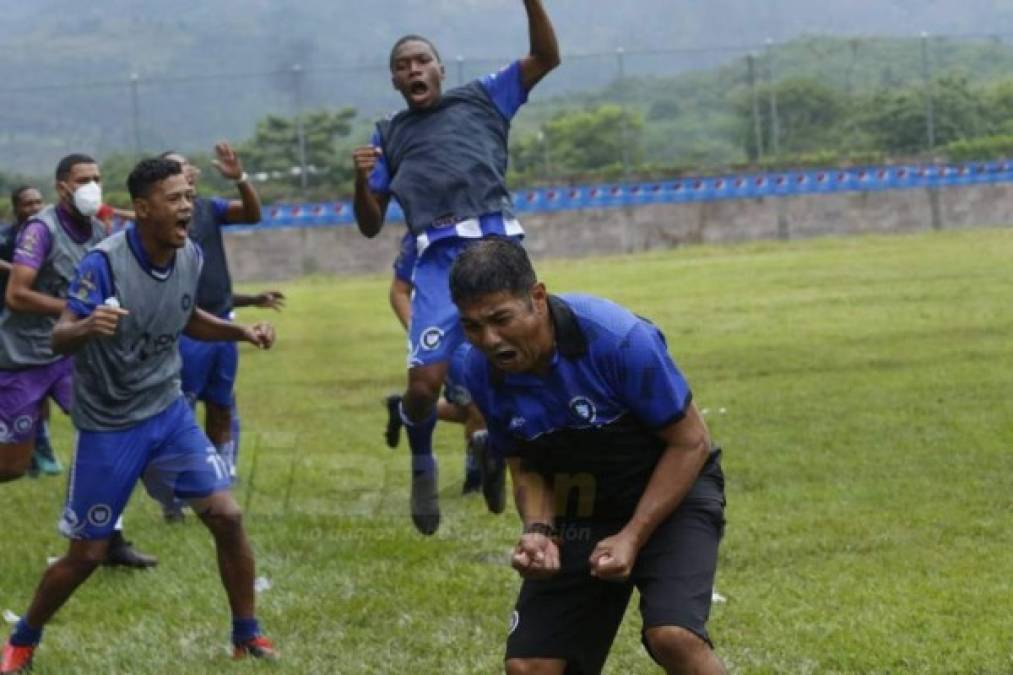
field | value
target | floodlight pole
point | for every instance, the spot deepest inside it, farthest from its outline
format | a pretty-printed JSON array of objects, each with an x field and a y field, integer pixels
[
  {"x": 930, "y": 111},
  {"x": 300, "y": 130}
]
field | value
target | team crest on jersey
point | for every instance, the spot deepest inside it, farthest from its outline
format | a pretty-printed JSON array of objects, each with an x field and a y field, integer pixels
[
  {"x": 583, "y": 407},
  {"x": 23, "y": 424},
  {"x": 100, "y": 515},
  {"x": 516, "y": 424},
  {"x": 431, "y": 337},
  {"x": 86, "y": 286},
  {"x": 187, "y": 302}
]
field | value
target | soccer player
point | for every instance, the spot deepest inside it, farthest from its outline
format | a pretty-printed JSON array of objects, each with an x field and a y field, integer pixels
[
  {"x": 482, "y": 469},
  {"x": 209, "y": 368},
  {"x": 132, "y": 298},
  {"x": 49, "y": 246},
  {"x": 26, "y": 201},
  {"x": 614, "y": 475},
  {"x": 444, "y": 159}
]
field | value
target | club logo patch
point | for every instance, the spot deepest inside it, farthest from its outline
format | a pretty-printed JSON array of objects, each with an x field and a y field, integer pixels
[
  {"x": 583, "y": 407},
  {"x": 516, "y": 424},
  {"x": 431, "y": 338},
  {"x": 70, "y": 524},
  {"x": 23, "y": 424},
  {"x": 515, "y": 620},
  {"x": 99, "y": 515}
]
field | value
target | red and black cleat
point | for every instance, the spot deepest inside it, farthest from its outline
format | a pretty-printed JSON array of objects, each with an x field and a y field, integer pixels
[
  {"x": 16, "y": 659},
  {"x": 258, "y": 648}
]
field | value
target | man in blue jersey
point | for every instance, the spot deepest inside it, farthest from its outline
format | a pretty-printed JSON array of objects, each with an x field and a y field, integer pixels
[
  {"x": 614, "y": 475},
  {"x": 444, "y": 160},
  {"x": 210, "y": 368},
  {"x": 482, "y": 469},
  {"x": 26, "y": 201},
  {"x": 133, "y": 296}
]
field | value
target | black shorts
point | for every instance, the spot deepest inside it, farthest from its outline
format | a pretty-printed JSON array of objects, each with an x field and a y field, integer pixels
[{"x": 574, "y": 616}]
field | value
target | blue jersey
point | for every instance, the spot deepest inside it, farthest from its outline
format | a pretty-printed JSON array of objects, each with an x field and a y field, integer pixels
[
  {"x": 506, "y": 91},
  {"x": 590, "y": 424},
  {"x": 404, "y": 263}
]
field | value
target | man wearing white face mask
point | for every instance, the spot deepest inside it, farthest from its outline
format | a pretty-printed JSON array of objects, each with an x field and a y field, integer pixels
[{"x": 48, "y": 249}]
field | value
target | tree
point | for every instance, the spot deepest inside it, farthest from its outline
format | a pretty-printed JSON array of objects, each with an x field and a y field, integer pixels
[{"x": 274, "y": 151}]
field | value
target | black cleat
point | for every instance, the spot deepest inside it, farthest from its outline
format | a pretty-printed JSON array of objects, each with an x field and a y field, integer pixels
[
  {"x": 393, "y": 432},
  {"x": 425, "y": 502},
  {"x": 493, "y": 472},
  {"x": 121, "y": 553}
]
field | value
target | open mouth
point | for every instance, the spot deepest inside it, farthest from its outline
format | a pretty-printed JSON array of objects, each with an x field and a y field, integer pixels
[
  {"x": 182, "y": 226},
  {"x": 505, "y": 357},
  {"x": 418, "y": 88}
]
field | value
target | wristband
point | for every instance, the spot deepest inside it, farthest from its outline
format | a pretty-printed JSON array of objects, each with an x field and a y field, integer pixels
[
  {"x": 543, "y": 529},
  {"x": 244, "y": 178}
]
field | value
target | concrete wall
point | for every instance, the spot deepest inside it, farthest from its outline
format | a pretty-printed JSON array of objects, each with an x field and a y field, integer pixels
[{"x": 272, "y": 254}]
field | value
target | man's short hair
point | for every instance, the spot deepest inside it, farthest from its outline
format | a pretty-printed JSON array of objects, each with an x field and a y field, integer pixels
[
  {"x": 492, "y": 265},
  {"x": 18, "y": 191},
  {"x": 148, "y": 172},
  {"x": 69, "y": 162},
  {"x": 169, "y": 153},
  {"x": 413, "y": 38}
]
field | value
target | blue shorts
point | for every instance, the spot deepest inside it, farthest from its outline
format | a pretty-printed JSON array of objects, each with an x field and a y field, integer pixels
[
  {"x": 435, "y": 330},
  {"x": 168, "y": 451},
  {"x": 209, "y": 370},
  {"x": 454, "y": 388}
]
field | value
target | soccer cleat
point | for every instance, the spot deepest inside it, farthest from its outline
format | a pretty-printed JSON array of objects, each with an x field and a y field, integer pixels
[
  {"x": 493, "y": 471},
  {"x": 121, "y": 553},
  {"x": 173, "y": 514},
  {"x": 425, "y": 502},
  {"x": 45, "y": 461},
  {"x": 257, "y": 647},
  {"x": 472, "y": 472},
  {"x": 393, "y": 432},
  {"x": 16, "y": 659}
]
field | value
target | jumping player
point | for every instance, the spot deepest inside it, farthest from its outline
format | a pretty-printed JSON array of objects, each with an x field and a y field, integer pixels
[{"x": 444, "y": 159}]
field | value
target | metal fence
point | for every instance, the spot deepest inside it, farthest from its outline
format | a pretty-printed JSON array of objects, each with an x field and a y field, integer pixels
[{"x": 695, "y": 109}]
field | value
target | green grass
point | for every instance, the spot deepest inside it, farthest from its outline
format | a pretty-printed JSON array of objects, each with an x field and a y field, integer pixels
[{"x": 867, "y": 396}]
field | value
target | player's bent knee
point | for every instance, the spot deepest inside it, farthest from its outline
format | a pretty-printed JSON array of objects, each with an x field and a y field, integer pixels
[
  {"x": 14, "y": 461},
  {"x": 221, "y": 514},
  {"x": 678, "y": 649},
  {"x": 535, "y": 667}
]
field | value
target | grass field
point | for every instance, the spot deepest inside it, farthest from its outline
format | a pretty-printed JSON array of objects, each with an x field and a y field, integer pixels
[{"x": 862, "y": 389}]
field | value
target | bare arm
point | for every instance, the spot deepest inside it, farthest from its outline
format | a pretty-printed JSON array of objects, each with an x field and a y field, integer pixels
[
  {"x": 401, "y": 300},
  {"x": 21, "y": 298},
  {"x": 544, "y": 50},
  {"x": 209, "y": 328},
  {"x": 5, "y": 267},
  {"x": 687, "y": 446},
  {"x": 536, "y": 555},
  {"x": 246, "y": 209},
  {"x": 267, "y": 300},
  {"x": 72, "y": 331},
  {"x": 370, "y": 208}
]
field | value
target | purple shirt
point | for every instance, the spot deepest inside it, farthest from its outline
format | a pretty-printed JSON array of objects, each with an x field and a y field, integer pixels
[{"x": 34, "y": 240}]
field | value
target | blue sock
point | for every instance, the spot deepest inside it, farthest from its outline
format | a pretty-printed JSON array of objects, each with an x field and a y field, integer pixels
[
  {"x": 420, "y": 440},
  {"x": 24, "y": 635},
  {"x": 244, "y": 629}
]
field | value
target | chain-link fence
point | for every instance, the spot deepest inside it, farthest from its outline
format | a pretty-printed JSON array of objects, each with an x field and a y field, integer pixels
[{"x": 617, "y": 114}]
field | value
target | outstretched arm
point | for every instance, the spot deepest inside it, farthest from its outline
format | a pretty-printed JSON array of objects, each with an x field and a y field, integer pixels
[
  {"x": 266, "y": 300},
  {"x": 209, "y": 328},
  {"x": 544, "y": 51}
]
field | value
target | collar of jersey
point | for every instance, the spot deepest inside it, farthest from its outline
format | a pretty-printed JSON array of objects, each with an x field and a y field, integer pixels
[
  {"x": 157, "y": 273},
  {"x": 570, "y": 343}
]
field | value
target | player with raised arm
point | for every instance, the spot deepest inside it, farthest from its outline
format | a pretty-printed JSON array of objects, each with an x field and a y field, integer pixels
[{"x": 444, "y": 160}]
